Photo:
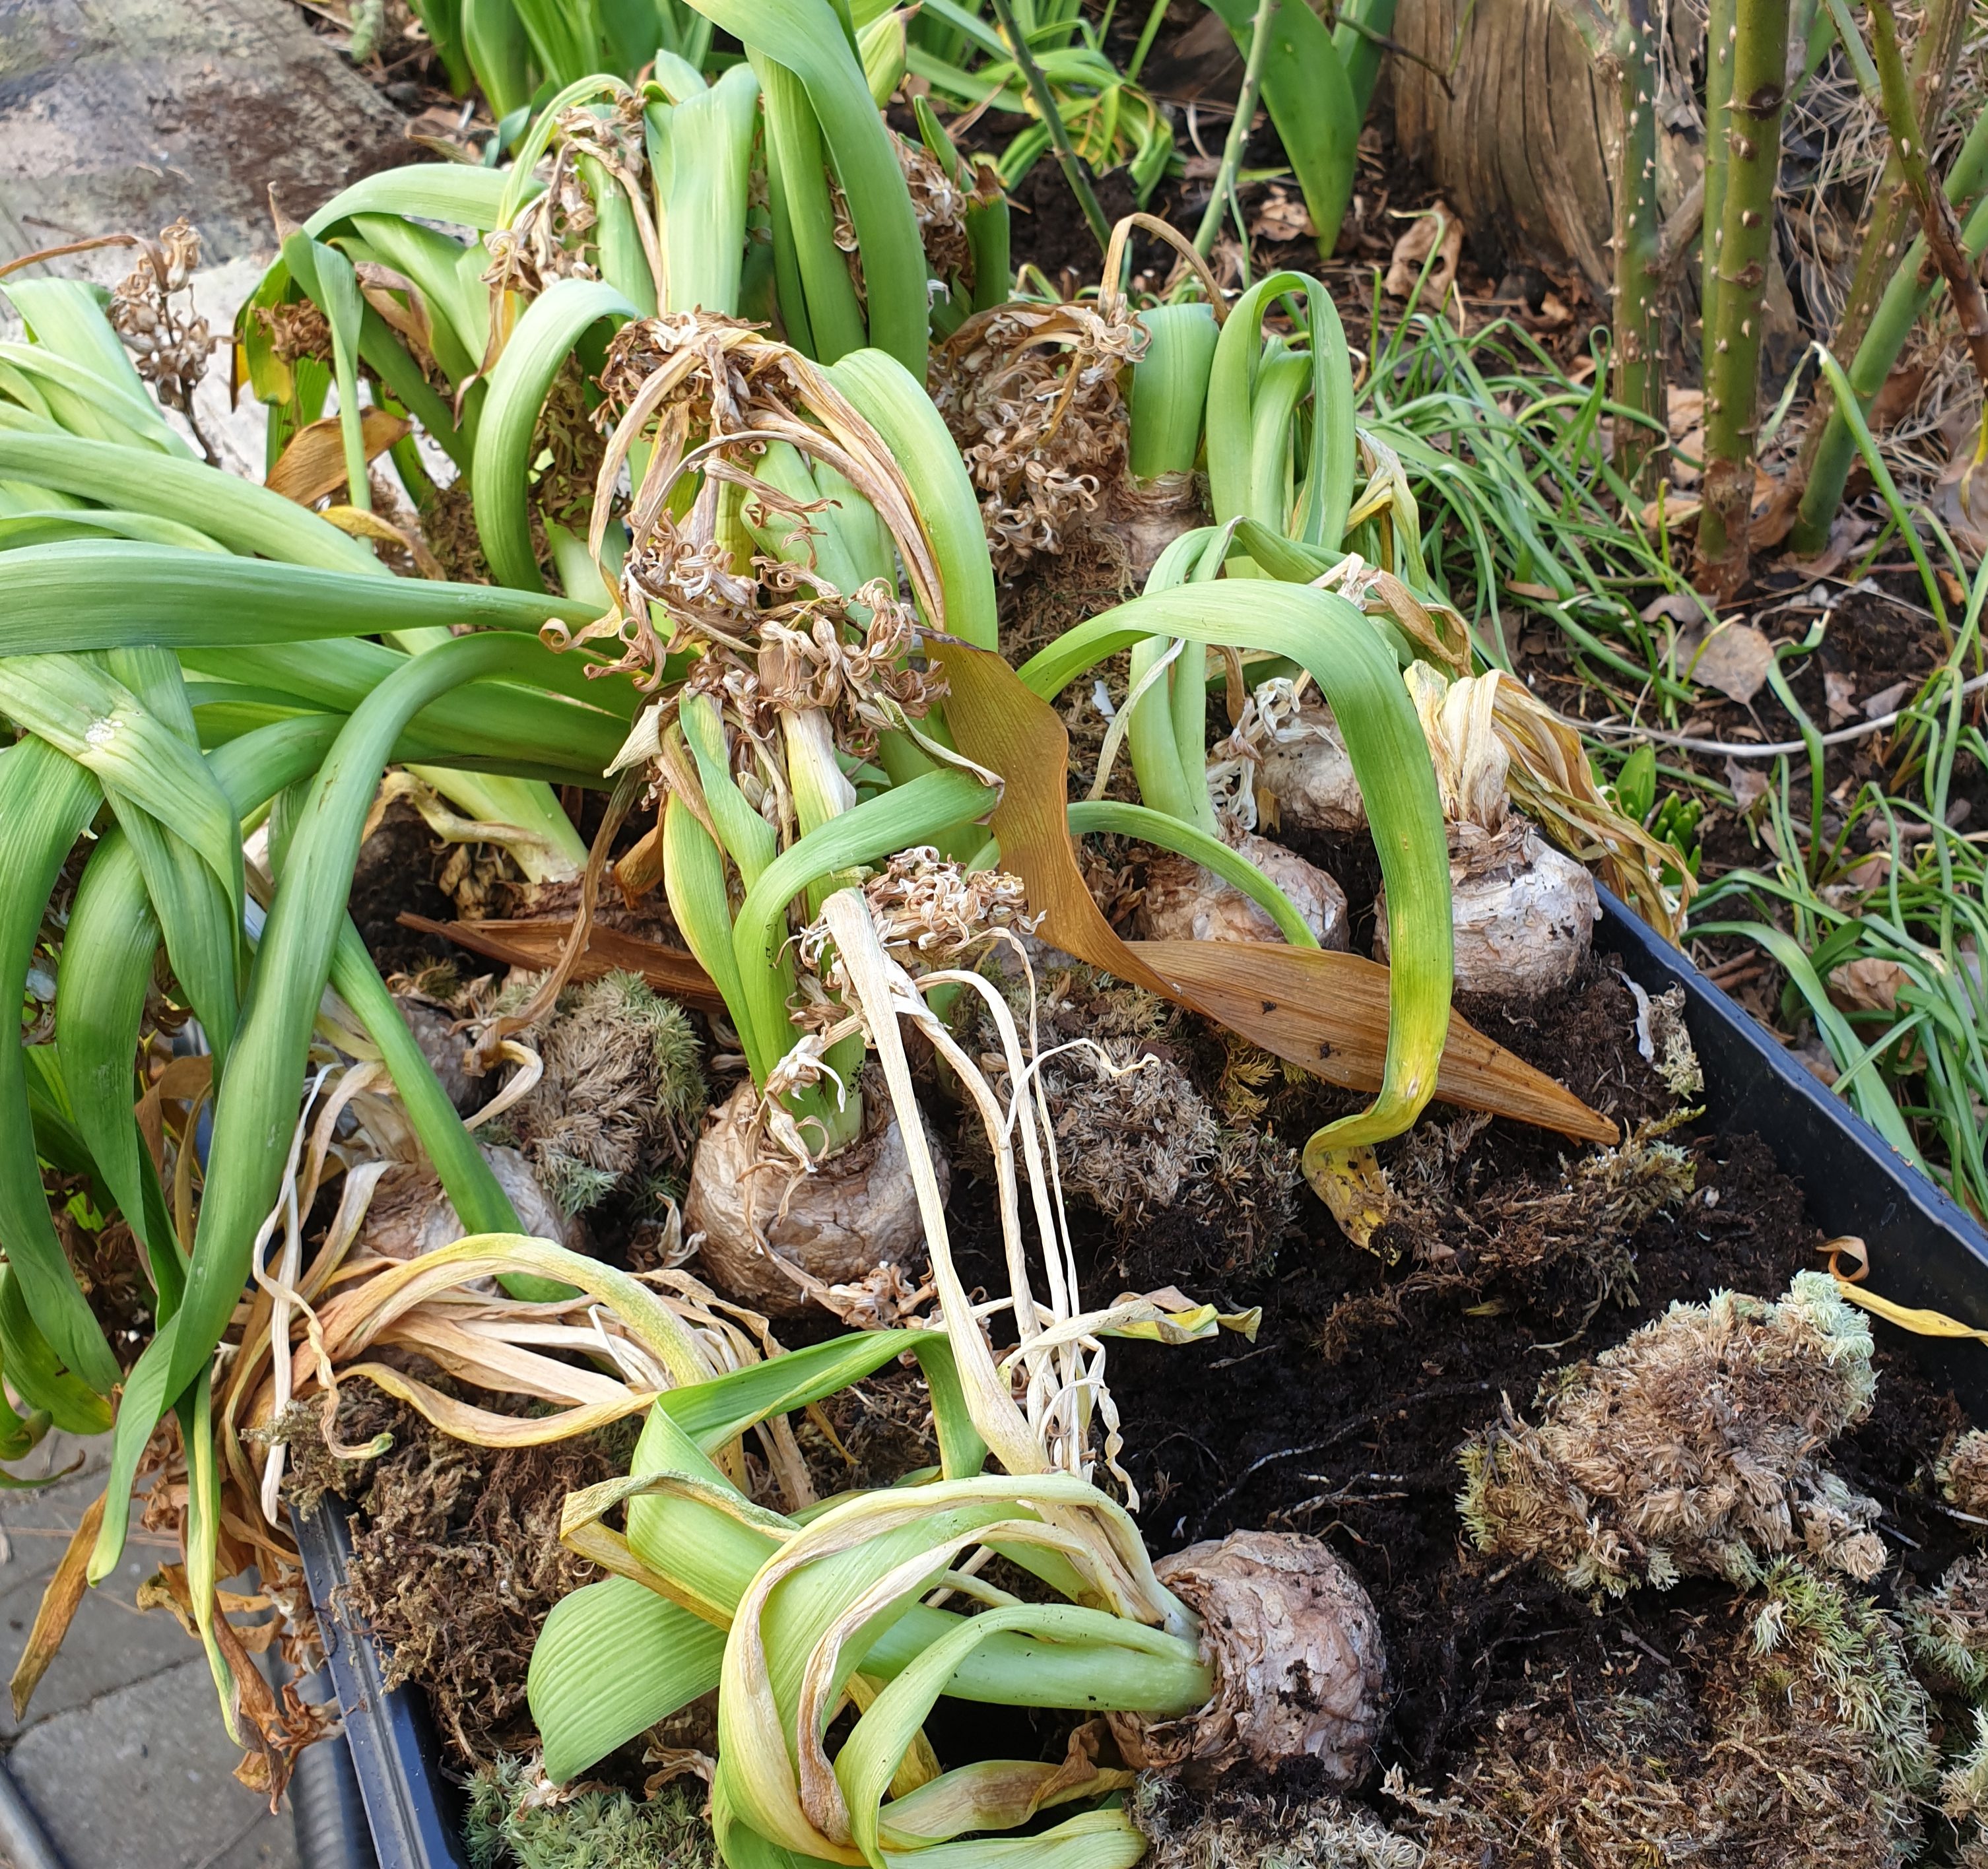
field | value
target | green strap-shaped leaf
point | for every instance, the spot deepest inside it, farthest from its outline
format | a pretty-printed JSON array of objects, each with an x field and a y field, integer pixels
[
  {"x": 46, "y": 802},
  {"x": 35, "y": 1373},
  {"x": 433, "y": 262},
  {"x": 918, "y": 812},
  {"x": 871, "y": 1755},
  {"x": 1155, "y": 827},
  {"x": 700, "y": 161},
  {"x": 82, "y": 596},
  {"x": 895, "y": 404},
  {"x": 79, "y": 708},
  {"x": 1240, "y": 482},
  {"x": 553, "y": 324},
  {"x": 106, "y": 970},
  {"x": 805, "y": 36},
  {"x": 87, "y": 404},
  {"x": 1170, "y": 389},
  {"x": 464, "y": 194},
  {"x": 1311, "y": 102},
  {"x": 67, "y": 316},
  {"x": 235, "y": 513},
  {"x": 250, "y": 1136}
]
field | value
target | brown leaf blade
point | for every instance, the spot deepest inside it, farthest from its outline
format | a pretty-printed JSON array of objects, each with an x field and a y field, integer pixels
[
  {"x": 314, "y": 464},
  {"x": 58, "y": 1605}
]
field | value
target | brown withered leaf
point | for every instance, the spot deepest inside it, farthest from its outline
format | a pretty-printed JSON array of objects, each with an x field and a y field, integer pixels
[
  {"x": 1868, "y": 985},
  {"x": 1735, "y": 660},
  {"x": 313, "y": 463},
  {"x": 58, "y": 1609},
  {"x": 537, "y": 944},
  {"x": 1437, "y": 231}
]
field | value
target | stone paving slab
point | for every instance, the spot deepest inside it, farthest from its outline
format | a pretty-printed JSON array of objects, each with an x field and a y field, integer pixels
[
  {"x": 117, "y": 115},
  {"x": 123, "y": 1755}
]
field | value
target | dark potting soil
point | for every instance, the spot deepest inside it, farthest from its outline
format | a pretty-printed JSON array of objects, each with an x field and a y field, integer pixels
[{"x": 1353, "y": 1437}]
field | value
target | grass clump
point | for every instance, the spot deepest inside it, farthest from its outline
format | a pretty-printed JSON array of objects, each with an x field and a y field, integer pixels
[
  {"x": 1691, "y": 1448},
  {"x": 511, "y": 1824}
]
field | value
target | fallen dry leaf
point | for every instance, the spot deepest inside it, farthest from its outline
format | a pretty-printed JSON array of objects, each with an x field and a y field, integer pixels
[
  {"x": 1667, "y": 510},
  {"x": 1868, "y": 985},
  {"x": 1437, "y": 231},
  {"x": 1967, "y": 520},
  {"x": 1735, "y": 660},
  {"x": 1282, "y": 217},
  {"x": 1554, "y": 312},
  {"x": 1775, "y": 505},
  {"x": 1688, "y": 457},
  {"x": 1675, "y": 606},
  {"x": 1897, "y": 395},
  {"x": 1683, "y": 410},
  {"x": 1749, "y": 784},
  {"x": 1886, "y": 701},
  {"x": 1839, "y": 697},
  {"x": 1845, "y": 535}
]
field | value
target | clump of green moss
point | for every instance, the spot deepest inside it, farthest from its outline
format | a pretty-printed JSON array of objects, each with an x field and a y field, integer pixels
[
  {"x": 1947, "y": 1626},
  {"x": 1255, "y": 1830},
  {"x": 616, "y": 1107},
  {"x": 515, "y": 1820},
  {"x": 1692, "y": 1446}
]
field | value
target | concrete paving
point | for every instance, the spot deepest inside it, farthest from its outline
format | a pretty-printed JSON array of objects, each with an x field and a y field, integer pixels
[
  {"x": 122, "y": 1756},
  {"x": 117, "y": 115}
]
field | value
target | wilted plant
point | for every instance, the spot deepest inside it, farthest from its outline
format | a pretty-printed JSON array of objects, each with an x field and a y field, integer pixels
[{"x": 1693, "y": 1447}]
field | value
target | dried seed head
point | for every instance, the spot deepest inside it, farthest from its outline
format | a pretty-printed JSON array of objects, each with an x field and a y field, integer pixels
[
  {"x": 1300, "y": 1672},
  {"x": 1031, "y": 394}
]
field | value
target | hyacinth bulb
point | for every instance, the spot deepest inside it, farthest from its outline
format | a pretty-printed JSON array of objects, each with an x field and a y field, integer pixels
[
  {"x": 781, "y": 1240},
  {"x": 1183, "y": 901},
  {"x": 1295, "y": 1645}
]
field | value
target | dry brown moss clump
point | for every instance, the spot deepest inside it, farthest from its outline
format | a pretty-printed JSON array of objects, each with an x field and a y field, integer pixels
[
  {"x": 1136, "y": 1140},
  {"x": 1962, "y": 1473},
  {"x": 1458, "y": 1239},
  {"x": 1692, "y": 1446},
  {"x": 1800, "y": 1742},
  {"x": 619, "y": 1099},
  {"x": 456, "y": 1563}
]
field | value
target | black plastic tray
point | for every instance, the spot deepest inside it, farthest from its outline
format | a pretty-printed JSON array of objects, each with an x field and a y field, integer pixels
[
  {"x": 1925, "y": 1251},
  {"x": 412, "y": 1808}
]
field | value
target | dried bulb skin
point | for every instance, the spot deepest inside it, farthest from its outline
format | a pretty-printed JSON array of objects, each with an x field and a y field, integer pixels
[
  {"x": 1300, "y": 1672},
  {"x": 1185, "y": 902},
  {"x": 856, "y": 1212},
  {"x": 1522, "y": 913},
  {"x": 410, "y": 1215},
  {"x": 1311, "y": 775},
  {"x": 1146, "y": 519}
]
